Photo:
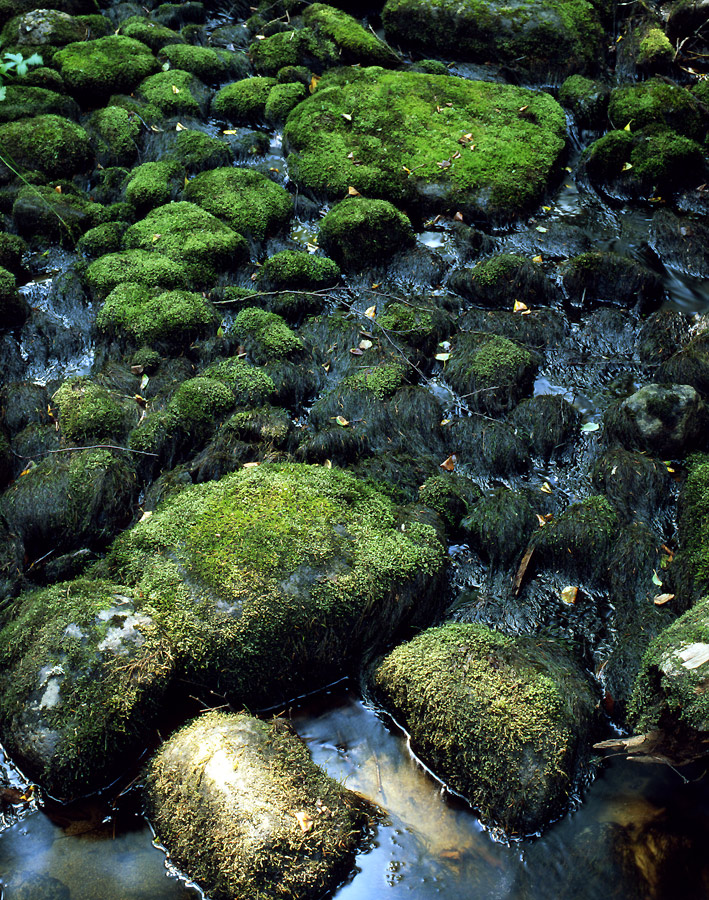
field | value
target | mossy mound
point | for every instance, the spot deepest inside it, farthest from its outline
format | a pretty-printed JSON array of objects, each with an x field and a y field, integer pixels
[
  {"x": 250, "y": 385},
  {"x": 84, "y": 668},
  {"x": 579, "y": 541},
  {"x": 13, "y": 307},
  {"x": 501, "y": 280},
  {"x": 189, "y": 235},
  {"x": 150, "y": 33},
  {"x": 501, "y": 720},
  {"x": 89, "y": 413},
  {"x": 106, "y": 238},
  {"x": 492, "y": 373},
  {"x": 23, "y": 102},
  {"x": 109, "y": 65},
  {"x": 196, "y": 151},
  {"x": 635, "y": 484},
  {"x": 549, "y": 420},
  {"x": 207, "y": 64},
  {"x": 52, "y": 145},
  {"x": 604, "y": 277},
  {"x": 356, "y": 45},
  {"x": 304, "y": 47},
  {"x": 693, "y": 522},
  {"x": 689, "y": 366},
  {"x": 43, "y": 26},
  {"x": 242, "y": 808},
  {"x": 266, "y": 335},
  {"x": 293, "y": 270},
  {"x": 246, "y": 200},
  {"x": 12, "y": 249},
  {"x": 666, "y": 419},
  {"x": 244, "y": 102},
  {"x": 358, "y": 231},
  {"x": 282, "y": 98},
  {"x": 136, "y": 314},
  {"x": 560, "y": 36},
  {"x": 657, "y": 102},
  {"x": 500, "y": 525},
  {"x": 154, "y": 184},
  {"x": 44, "y": 214},
  {"x": 490, "y": 448},
  {"x": 70, "y": 500},
  {"x": 141, "y": 267},
  {"x": 117, "y": 132},
  {"x": 655, "y": 52},
  {"x": 670, "y": 693},
  {"x": 435, "y": 143},
  {"x": 175, "y": 93},
  {"x": 282, "y": 576},
  {"x": 587, "y": 99},
  {"x": 450, "y": 495}
]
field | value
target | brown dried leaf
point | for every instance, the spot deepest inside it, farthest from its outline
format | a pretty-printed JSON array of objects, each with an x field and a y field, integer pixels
[{"x": 449, "y": 464}]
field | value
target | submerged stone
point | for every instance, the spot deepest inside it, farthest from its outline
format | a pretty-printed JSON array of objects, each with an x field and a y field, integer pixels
[
  {"x": 501, "y": 720},
  {"x": 395, "y": 136},
  {"x": 243, "y": 810}
]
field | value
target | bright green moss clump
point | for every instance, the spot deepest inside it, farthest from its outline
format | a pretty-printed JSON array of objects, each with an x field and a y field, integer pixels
[
  {"x": 293, "y": 48},
  {"x": 355, "y": 43},
  {"x": 110, "y": 65},
  {"x": 13, "y": 307},
  {"x": 137, "y": 266},
  {"x": 501, "y": 720},
  {"x": 243, "y": 102},
  {"x": 250, "y": 385},
  {"x": 359, "y": 231},
  {"x": 150, "y": 33},
  {"x": 89, "y": 413},
  {"x": 153, "y": 184},
  {"x": 49, "y": 144},
  {"x": 175, "y": 93},
  {"x": 293, "y": 270},
  {"x": 542, "y": 35},
  {"x": 290, "y": 572},
  {"x": 655, "y": 49},
  {"x": 492, "y": 372},
  {"x": 282, "y": 98},
  {"x": 117, "y": 133},
  {"x": 655, "y": 102},
  {"x": 207, "y": 64},
  {"x": 197, "y": 151},
  {"x": 431, "y": 142},
  {"x": 190, "y": 235},
  {"x": 266, "y": 334},
  {"x": 22, "y": 102},
  {"x": 171, "y": 319},
  {"x": 246, "y": 200}
]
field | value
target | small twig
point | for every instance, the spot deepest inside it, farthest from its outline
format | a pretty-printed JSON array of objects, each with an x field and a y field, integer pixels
[{"x": 101, "y": 447}]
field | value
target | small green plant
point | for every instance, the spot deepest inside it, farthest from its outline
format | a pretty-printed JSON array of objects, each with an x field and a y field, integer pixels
[{"x": 14, "y": 64}]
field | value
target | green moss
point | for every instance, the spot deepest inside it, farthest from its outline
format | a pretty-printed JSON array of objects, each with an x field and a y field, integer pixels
[
  {"x": 358, "y": 230},
  {"x": 100, "y": 666},
  {"x": 606, "y": 157},
  {"x": 49, "y": 144},
  {"x": 499, "y": 719},
  {"x": 196, "y": 151},
  {"x": 450, "y": 496},
  {"x": 355, "y": 43},
  {"x": 198, "y": 403},
  {"x": 43, "y": 26},
  {"x": 117, "y": 132},
  {"x": 109, "y": 65},
  {"x": 175, "y": 93},
  {"x": 290, "y": 570},
  {"x": 293, "y": 48},
  {"x": 655, "y": 102},
  {"x": 12, "y": 249},
  {"x": 246, "y": 200},
  {"x": 24, "y": 102},
  {"x": 664, "y": 160},
  {"x": 294, "y": 270},
  {"x": 13, "y": 307},
  {"x": 207, "y": 64},
  {"x": 655, "y": 49},
  {"x": 504, "y": 278},
  {"x": 243, "y": 102},
  {"x": 150, "y": 33},
  {"x": 106, "y": 238},
  {"x": 250, "y": 385},
  {"x": 587, "y": 99},
  {"x": 273, "y": 339},
  {"x": 558, "y": 35},
  {"x": 379, "y": 381},
  {"x": 172, "y": 319},
  {"x": 139, "y": 267},
  {"x": 46, "y": 214},
  {"x": 153, "y": 184},
  {"x": 500, "y": 525},
  {"x": 492, "y": 372},
  {"x": 395, "y": 135},
  {"x": 189, "y": 235},
  {"x": 89, "y": 413},
  {"x": 282, "y": 98},
  {"x": 413, "y": 324},
  {"x": 580, "y": 539}
]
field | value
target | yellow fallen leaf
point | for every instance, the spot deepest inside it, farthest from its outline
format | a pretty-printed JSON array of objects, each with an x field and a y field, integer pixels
[
  {"x": 353, "y": 192},
  {"x": 442, "y": 357},
  {"x": 661, "y": 599},
  {"x": 520, "y": 307},
  {"x": 341, "y": 420},
  {"x": 627, "y": 127},
  {"x": 370, "y": 312},
  {"x": 251, "y": 465},
  {"x": 175, "y": 89},
  {"x": 626, "y": 167},
  {"x": 537, "y": 259},
  {"x": 180, "y": 127},
  {"x": 568, "y": 595},
  {"x": 328, "y": 463},
  {"x": 146, "y": 515},
  {"x": 445, "y": 422},
  {"x": 156, "y": 237},
  {"x": 546, "y": 487},
  {"x": 230, "y": 131},
  {"x": 312, "y": 87},
  {"x": 347, "y": 116},
  {"x": 365, "y": 345},
  {"x": 304, "y": 820}
]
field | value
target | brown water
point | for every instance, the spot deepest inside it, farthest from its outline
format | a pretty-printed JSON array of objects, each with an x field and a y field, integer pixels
[{"x": 640, "y": 833}]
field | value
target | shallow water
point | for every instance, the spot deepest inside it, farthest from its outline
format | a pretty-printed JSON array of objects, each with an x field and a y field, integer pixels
[{"x": 430, "y": 843}]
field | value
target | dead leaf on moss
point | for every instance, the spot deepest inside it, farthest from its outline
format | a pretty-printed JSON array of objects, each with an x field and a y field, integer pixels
[{"x": 304, "y": 820}]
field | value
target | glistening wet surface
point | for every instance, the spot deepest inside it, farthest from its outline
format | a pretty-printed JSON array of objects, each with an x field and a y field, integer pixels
[{"x": 639, "y": 833}]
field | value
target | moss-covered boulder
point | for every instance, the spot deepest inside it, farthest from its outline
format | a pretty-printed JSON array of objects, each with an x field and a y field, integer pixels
[
  {"x": 293, "y": 270},
  {"x": 359, "y": 231},
  {"x": 208, "y": 65},
  {"x": 488, "y": 448},
  {"x": 561, "y": 36},
  {"x": 175, "y": 93},
  {"x": 356, "y": 45},
  {"x": 666, "y": 419},
  {"x": 69, "y": 500},
  {"x": 137, "y": 314},
  {"x": 550, "y": 421},
  {"x": 12, "y": 249},
  {"x": 282, "y": 576},
  {"x": 434, "y": 143},
  {"x": 149, "y": 32},
  {"x": 136, "y": 266},
  {"x": 23, "y": 102},
  {"x": 52, "y": 145},
  {"x": 501, "y": 720},
  {"x": 89, "y": 413},
  {"x": 196, "y": 151},
  {"x": 658, "y": 102},
  {"x": 266, "y": 335},
  {"x": 503, "y": 279},
  {"x": 500, "y": 525},
  {"x": 688, "y": 366},
  {"x": 246, "y": 200},
  {"x": 109, "y": 65},
  {"x": 116, "y": 133},
  {"x": 43, "y": 26},
  {"x": 42, "y": 214},
  {"x": 84, "y": 668},
  {"x": 14, "y": 309},
  {"x": 189, "y": 235},
  {"x": 244, "y": 101},
  {"x": 693, "y": 520},
  {"x": 450, "y": 495},
  {"x": 491, "y": 372},
  {"x": 154, "y": 184},
  {"x": 604, "y": 277},
  {"x": 636, "y": 484},
  {"x": 243, "y": 810},
  {"x": 587, "y": 99},
  {"x": 282, "y": 98},
  {"x": 250, "y": 385},
  {"x": 304, "y": 47}
]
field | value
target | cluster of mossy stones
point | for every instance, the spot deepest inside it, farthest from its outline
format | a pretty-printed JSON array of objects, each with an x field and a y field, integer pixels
[{"x": 172, "y": 518}]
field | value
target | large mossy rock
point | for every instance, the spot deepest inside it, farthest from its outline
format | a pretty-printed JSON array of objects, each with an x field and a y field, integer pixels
[
  {"x": 108, "y": 65},
  {"x": 280, "y": 578},
  {"x": 433, "y": 143},
  {"x": 501, "y": 720},
  {"x": 244, "y": 811},
  {"x": 83, "y": 670},
  {"x": 540, "y": 36},
  {"x": 51, "y": 145}
]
